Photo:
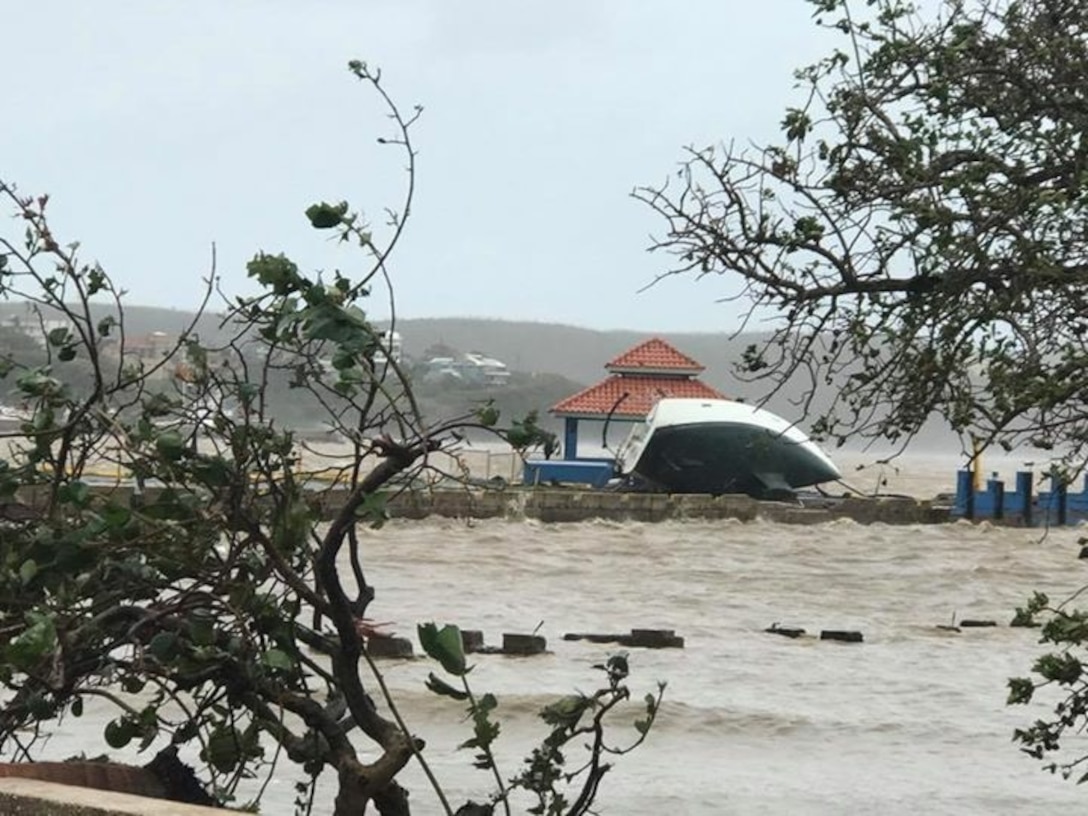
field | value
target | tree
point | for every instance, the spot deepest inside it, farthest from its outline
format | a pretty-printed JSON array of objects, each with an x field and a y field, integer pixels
[
  {"x": 217, "y": 602},
  {"x": 918, "y": 239}
]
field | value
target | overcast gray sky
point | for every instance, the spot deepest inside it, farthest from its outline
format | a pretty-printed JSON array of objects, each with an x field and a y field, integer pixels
[{"x": 160, "y": 126}]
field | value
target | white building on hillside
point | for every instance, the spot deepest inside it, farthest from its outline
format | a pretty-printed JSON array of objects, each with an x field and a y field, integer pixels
[
  {"x": 392, "y": 345},
  {"x": 494, "y": 372},
  {"x": 474, "y": 368}
]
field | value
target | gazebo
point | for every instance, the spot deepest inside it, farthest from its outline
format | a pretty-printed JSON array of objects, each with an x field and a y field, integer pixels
[{"x": 637, "y": 379}]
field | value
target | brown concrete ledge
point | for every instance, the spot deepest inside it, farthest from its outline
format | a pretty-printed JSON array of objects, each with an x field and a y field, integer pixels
[
  {"x": 558, "y": 504},
  {"x": 32, "y": 797}
]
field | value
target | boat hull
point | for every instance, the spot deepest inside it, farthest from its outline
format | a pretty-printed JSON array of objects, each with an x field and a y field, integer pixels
[{"x": 720, "y": 446}]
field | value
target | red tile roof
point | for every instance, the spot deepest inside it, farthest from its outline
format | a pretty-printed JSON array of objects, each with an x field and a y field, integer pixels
[
  {"x": 630, "y": 396},
  {"x": 655, "y": 355}
]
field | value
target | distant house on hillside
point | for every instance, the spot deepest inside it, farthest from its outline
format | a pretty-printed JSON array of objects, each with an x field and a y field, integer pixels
[
  {"x": 392, "y": 348},
  {"x": 473, "y": 368},
  {"x": 493, "y": 372},
  {"x": 149, "y": 348}
]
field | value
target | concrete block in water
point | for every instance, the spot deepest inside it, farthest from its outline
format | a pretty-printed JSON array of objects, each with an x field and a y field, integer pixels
[
  {"x": 653, "y": 639},
  {"x": 472, "y": 640},
  {"x": 845, "y": 636},
  {"x": 594, "y": 637},
  {"x": 639, "y": 638},
  {"x": 785, "y": 631},
  {"x": 513, "y": 644},
  {"x": 388, "y": 646}
]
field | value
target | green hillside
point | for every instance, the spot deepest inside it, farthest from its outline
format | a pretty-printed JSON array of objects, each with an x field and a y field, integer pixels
[
  {"x": 550, "y": 360},
  {"x": 576, "y": 353}
]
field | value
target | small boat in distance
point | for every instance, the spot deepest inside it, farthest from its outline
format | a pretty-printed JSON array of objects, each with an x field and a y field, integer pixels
[{"x": 720, "y": 446}]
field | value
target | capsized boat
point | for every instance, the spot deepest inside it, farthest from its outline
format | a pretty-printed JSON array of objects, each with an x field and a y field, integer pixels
[{"x": 720, "y": 446}]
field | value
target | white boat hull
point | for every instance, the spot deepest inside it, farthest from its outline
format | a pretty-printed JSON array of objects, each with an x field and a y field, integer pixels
[{"x": 721, "y": 446}]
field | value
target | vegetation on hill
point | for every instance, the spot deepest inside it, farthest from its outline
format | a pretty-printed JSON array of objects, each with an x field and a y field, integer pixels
[
  {"x": 577, "y": 353},
  {"x": 522, "y": 394}
]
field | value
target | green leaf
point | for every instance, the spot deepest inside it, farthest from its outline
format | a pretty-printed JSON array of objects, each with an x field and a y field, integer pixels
[
  {"x": 247, "y": 392},
  {"x": 115, "y": 516},
  {"x": 566, "y": 711},
  {"x": 1021, "y": 690},
  {"x": 96, "y": 281},
  {"x": 37, "y": 383},
  {"x": 163, "y": 646},
  {"x": 170, "y": 444},
  {"x": 277, "y": 272},
  {"x": 441, "y": 687},
  {"x": 40, "y": 707},
  {"x": 213, "y": 471},
  {"x": 34, "y": 643},
  {"x": 487, "y": 414},
  {"x": 58, "y": 337},
  {"x": 186, "y": 732},
  {"x": 444, "y": 645},
  {"x": 202, "y": 631},
  {"x": 344, "y": 326},
  {"x": 28, "y": 570},
  {"x": 75, "y": 492},
  {"x": 326, "y": 216},
  {"x": 119, "y": 733},
  {"x": 278, "y": 659},
  {"x": 222, "y": 750},
  {"x": 147, "y": 726},
  {"x": 374, "y": 509}
]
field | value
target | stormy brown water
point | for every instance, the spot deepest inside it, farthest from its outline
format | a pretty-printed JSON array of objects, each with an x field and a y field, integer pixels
[{"x": 913, "y": 720}]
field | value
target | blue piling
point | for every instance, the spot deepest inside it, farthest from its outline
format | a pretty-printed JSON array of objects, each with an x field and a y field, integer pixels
[
  {"x": 1024, "y": 493},
  {"x": 996, "y": 490},
  {"x": 965, "y": 494}
]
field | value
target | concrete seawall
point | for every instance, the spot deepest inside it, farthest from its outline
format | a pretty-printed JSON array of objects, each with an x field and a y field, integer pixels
[
  {"x": 557, "y": 504},
  {"x": 567, "y": 505}
]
